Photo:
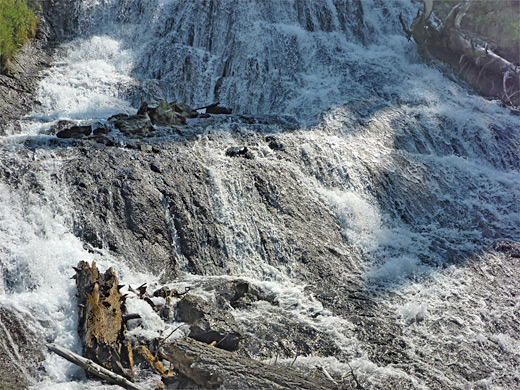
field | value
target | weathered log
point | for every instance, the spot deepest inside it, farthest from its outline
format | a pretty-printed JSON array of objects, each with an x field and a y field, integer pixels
[
  {"x": 93, "y": 368},
  {"x": 211, "y": 367},
  {"x": 208, "y": 106},
  {"x": 487, "y": 72},
  {"x": 101, "y": 321}
]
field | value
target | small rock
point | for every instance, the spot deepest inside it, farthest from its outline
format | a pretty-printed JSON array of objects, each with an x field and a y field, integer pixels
[
  {"x": 145, "y": 148},
  {"x": 239, "y": 151},
  {"x": 156, "y": 168},
  {"x": 274, "y": 143},
  {"x": 208, "y": 323},
  {"x": 509, "y": 247},
  {"x": 132, "y": 145},
  {"x": 75, "y": 132}
]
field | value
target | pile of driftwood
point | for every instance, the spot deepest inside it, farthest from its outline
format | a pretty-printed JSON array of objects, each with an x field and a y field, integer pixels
[
  {"x": 108, "y": 354},
  {"x": 484, "y": 70}
]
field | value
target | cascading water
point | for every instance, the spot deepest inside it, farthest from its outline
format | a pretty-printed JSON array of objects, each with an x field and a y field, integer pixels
[{"x": 403, "y": 177}]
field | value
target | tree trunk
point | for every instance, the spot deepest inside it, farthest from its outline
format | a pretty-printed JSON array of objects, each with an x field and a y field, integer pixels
[
  {"x": 211, "y": 367},
  {"x": 101, "y": 325}
]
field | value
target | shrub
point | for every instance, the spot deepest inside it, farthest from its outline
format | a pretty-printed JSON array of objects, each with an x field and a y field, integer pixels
[{"x": 17, "y": 24}]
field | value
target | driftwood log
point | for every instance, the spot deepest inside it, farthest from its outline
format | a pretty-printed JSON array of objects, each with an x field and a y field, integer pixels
[
  {"x": 93, "y": 368},
  {"x": 211, "y": 368},
  {"x": 488, "y": 73},
  {"x": 101, "y": 322}
]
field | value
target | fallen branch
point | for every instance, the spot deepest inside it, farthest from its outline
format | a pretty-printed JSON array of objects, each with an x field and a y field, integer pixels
[
  {"x": 327, "y": 375},
  {"x": 358, "y": 385},
  {"x": 153, "y": 362},
  {"x": 406, "y": 30},
  {"x": 93, "y": 368}
]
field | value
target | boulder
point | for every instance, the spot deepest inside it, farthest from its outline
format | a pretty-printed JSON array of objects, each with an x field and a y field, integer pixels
[
  {"x": 75, "y": 132},
  {"x": 134, "y": 126},
  {"x": 163, "y": 113},
  {"x": 208, "y": 323}
]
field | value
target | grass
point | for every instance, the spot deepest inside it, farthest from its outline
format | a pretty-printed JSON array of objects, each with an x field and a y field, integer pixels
[{"x": 18, "y": 23}]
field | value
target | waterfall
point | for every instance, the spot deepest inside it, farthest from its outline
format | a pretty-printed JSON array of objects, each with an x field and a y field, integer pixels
[{"x": 394, "y": 183}]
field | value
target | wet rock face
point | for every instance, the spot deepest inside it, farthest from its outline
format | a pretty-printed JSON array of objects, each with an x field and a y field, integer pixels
[
  {"x": 20, "y": 351},
  {"x": 60, "y": 19},
  {"x": 158, "y": 206},
  {"x": 120, "y": 208}
]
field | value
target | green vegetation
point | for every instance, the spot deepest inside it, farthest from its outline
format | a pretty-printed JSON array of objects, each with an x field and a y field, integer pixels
[{"x": 18, "y": 23}]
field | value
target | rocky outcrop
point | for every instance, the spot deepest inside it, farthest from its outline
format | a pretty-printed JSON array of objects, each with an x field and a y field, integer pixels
[
  {"x": 208, "y": 323},
  {"x": 148, "y": 116},
  {"x": 18, "y": 87},
  {"x": 56, "y": 22}
]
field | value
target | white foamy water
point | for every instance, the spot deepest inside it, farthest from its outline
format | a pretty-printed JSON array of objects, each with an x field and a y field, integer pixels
[{"x": 420, "y": 174}]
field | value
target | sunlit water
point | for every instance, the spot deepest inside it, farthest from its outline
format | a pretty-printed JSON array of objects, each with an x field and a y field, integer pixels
[{"x": 423, "y": 172}]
